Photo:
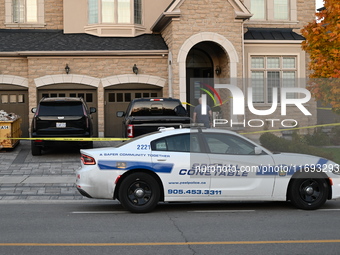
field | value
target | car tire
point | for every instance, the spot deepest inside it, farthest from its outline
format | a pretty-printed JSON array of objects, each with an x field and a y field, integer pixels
[
  {"x": 36, "y": 150},
  {"x": 308, "y": 193},
  {"x": 139, "y": 193}
]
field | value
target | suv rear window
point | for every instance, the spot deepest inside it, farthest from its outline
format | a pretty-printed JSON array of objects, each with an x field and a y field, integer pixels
[
  {"x": 61, "y": 109},
  {"x": 163, "y": 108}
]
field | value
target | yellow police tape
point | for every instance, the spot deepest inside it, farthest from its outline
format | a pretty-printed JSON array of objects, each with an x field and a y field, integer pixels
[
  {"x": 324, "y": 108},
  {"x": 76, "y": 139},
  {"x": 80, "y": 139}
]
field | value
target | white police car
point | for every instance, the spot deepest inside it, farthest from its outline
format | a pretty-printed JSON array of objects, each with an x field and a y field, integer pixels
[{"x": 203, "y": 165}]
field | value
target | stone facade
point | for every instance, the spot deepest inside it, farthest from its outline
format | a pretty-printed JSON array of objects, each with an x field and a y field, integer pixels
[
  {"x": 54, "y": 14},
  {"x": 210, "y": 23}
]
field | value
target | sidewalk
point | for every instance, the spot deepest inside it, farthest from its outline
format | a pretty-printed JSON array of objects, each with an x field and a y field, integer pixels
[{"x": 50, "y": 176}]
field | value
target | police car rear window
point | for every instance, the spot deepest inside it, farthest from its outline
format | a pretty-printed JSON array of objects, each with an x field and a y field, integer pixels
[
  {"x": 162, "y": 108},
  {"x": 180, "y": 143}
]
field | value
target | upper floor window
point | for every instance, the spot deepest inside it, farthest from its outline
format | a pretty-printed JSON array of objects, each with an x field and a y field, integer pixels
[
  {"x": 25, "y": 11},
  {"x": 115, "y": 11},
  {"x": 268, "y": 72},
  {"x": 272, "y": 10}
]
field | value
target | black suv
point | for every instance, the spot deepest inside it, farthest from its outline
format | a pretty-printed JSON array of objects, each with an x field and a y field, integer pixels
[{"x": 60, "y": 117}]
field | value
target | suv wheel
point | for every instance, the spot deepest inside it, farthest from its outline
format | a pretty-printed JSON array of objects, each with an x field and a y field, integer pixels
[{"x": 36, "y": 150}]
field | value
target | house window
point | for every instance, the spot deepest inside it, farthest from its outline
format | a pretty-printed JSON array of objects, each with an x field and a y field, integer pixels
[
  {"x": 25, "y": 11},
  {"x": 275, "y": 10},
  {"x": 258, "y": 9},
  {"x": 268, "y": 72},
  {"x": 115, "y": 11},
  {"x": 281, "y": 10}
]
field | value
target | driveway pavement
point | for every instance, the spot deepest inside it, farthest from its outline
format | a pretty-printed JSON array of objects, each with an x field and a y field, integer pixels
[{"x": 50, "y": 176}]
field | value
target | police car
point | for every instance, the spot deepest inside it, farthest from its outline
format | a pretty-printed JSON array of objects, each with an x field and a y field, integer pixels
[{"x": 203, "y": 165}]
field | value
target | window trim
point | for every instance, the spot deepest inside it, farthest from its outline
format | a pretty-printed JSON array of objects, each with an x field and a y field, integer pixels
[
  {"x": 116, "y": 14},
  {"x": 116, "y": 29},
  {"x": 297, "y": 70},
  {"x": 9, "y": 16},
  {"x": 269, "y": 13}
]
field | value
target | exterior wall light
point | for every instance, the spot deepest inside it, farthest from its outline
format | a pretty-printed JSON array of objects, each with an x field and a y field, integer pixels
[
  {"x": 135, "y": 69},
  {"x": 67, "y": 69},
  {"x": 218, "y": 70}
]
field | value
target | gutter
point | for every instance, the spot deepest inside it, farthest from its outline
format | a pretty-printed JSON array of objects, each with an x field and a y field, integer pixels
[{"x": 161, "y": 53}]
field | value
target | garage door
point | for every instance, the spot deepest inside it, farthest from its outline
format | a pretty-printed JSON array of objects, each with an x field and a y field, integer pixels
[
  {"x": 89, "y": 95},
  {"x": 118, "y": 100},
  {"x": 15, "y": 101}
]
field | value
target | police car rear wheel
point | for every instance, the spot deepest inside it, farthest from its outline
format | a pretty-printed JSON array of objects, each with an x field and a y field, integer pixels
[
  {"x": 308, "y": 194},
  {"x": 139, "y": 192}
]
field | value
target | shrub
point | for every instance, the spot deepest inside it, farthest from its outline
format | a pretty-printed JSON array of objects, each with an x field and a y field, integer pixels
[
  {"x": 318, "y": 138},
  {"x": 277, "y": 144},
  {"x": 335, "y": 135}
]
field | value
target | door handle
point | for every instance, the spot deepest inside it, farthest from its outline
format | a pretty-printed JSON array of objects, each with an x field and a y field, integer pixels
[{"x": 161, "y": 159}]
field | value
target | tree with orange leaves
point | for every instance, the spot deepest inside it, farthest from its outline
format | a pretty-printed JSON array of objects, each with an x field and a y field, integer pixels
[{"x": 322, "y": 42}]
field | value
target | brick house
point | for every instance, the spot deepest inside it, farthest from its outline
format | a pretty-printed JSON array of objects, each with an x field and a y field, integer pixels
[{"x": 170, "y": 42}]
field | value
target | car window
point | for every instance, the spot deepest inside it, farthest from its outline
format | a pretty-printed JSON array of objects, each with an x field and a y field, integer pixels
[
  {"x": 159, "y": 108},
  {"x": 61, "y": 109},
  {"x": 228, "y": 144},
  {"x": 181, "y": 143}
]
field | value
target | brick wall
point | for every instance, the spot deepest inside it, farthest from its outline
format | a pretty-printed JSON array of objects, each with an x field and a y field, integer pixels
[
  {"x": 98, "y": 67},
  {"x": 214, "y": 16},
  {"x": 54, "y": 14},
  {"x": 2, "y": 14}
]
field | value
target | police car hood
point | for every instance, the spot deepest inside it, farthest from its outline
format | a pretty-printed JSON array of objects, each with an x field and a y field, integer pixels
[{"x": 298, "y": 159}]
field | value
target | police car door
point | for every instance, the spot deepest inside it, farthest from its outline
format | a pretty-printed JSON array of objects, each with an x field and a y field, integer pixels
[
  {"x": 234, "y": 168},
  {"x": 184, "y": 152}
]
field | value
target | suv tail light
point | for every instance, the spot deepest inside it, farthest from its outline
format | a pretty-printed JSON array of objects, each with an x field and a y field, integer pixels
[
  {"x": 130, "y": 131},
  {"x": 87, "y": 160}
]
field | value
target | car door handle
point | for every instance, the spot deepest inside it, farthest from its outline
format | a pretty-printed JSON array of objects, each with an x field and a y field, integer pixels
[{"x": 161, "y": 159}]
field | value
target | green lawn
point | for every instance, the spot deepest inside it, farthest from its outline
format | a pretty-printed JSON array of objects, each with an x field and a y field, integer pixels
[{"x": 335, "y": 151}]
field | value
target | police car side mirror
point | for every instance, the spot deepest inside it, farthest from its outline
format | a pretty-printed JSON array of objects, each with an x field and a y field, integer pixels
[
  {"x": 257, "y": 150},
  {"x": 120, "y": 114},
  {"x": 34, "y": 110}
]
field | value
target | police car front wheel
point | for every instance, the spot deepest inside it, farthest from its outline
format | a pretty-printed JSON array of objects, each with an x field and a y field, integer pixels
[
  {"x": 308, "y": 194},
  {"x": 139, "y": 192}
]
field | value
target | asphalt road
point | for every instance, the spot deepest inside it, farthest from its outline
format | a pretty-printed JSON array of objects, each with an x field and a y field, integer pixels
[{"x": 103, "y": 227}]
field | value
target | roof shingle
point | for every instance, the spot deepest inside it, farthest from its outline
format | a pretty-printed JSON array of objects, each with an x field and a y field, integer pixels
[{"x": 12, "y": 40}]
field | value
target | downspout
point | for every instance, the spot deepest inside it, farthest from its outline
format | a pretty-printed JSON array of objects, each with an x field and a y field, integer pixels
[{"x": 170, "y": 79}]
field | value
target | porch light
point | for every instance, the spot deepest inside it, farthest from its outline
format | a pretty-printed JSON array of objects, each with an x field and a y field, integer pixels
[
  {"x": 135, "y": 69},
  {"x": 67, "y": 69},
  {"x": 218, "y": 70}
]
